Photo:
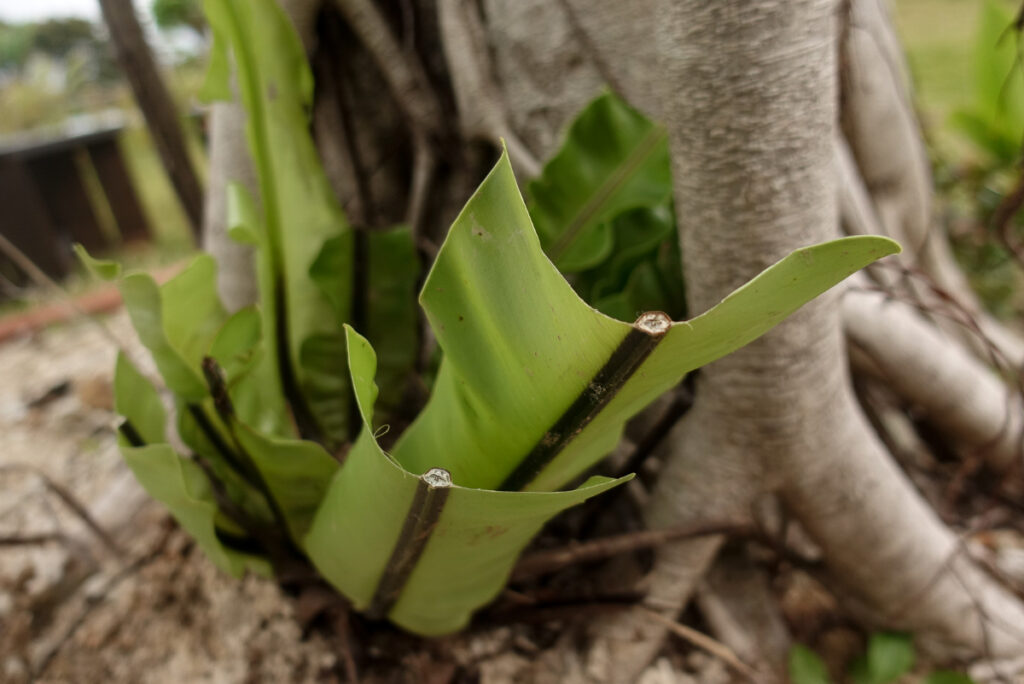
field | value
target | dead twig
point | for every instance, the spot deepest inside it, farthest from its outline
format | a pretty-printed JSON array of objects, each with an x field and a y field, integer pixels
[
  {"x": 70, "y": 501},
  {"x": 32, "y": 539},
  {"x": 528, "y": 609},
  {"x": 344, "y": 632},
  {"x": 705, "y": 643},
  {"x": 1002, "y": 220},
  {"x": 98, "y": 597},
  {"x": 543, "y": 562}
]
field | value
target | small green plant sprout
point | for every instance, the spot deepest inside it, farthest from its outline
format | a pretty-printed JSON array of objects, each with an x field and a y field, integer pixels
[
  {"x": 278, "y": 405},
  {"x": 889, "y": 657},
  {"x": 806, "y": 667}
]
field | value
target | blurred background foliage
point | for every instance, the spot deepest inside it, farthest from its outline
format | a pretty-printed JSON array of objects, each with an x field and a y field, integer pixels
[
  {"x": 965, "y": 61},
  {"x": 59, "y": 76}
]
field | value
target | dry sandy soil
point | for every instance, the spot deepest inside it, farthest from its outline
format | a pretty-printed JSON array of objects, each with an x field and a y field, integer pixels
[{"x": 144, "y": 604}]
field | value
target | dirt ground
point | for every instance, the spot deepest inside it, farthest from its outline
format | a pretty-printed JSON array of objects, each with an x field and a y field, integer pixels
[
  {"x": 114, "y": 592},
  {"x": 139, "y": 602}
]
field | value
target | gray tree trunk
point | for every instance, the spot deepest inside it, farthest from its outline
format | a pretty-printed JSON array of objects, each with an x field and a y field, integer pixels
[
  {"x": 136, "y": 60},
  {"x": 749, "y": 97}
]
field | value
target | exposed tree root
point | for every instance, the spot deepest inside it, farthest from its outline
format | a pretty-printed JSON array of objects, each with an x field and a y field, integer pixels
[{"x": 962, "y": 397}]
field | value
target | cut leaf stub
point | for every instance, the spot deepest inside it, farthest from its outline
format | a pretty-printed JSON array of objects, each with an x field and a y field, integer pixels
[
  {"x": 654, "y": 323},
  {"x": 438, "y": 478},
  {"x": 647, "y": 331},
  {"x": 423, "y": 516}
]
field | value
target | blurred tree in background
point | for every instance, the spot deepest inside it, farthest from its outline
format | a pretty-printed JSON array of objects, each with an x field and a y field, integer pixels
[{"x": 171, "y": 14}]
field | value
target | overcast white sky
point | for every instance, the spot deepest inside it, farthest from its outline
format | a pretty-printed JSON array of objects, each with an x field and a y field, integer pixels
[
  {"x": 32, "y": 10},
  {"x": 165, "y": 44}
]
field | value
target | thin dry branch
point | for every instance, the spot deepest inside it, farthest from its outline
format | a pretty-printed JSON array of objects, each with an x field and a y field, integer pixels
[
  {"x": 542, "y": 562},
  {"x": 343, "y": 629},
  {"x": 31, "y": 539},
  {"x": 1002, "y": 220},
  {"x": 98, "y": 597},
  {"x": 69, "y": 500},
  {"x": 705, "y": 643}
]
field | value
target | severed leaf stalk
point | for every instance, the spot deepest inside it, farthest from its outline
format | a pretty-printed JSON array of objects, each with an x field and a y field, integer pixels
[
  {"x": 217, "y": 382},
  {"x": 640, "y": 341},
  {"x": 421, "y": 519}
]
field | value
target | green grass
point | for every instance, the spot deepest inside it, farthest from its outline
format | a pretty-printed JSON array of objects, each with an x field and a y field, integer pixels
[
  {"x": 938, "y": 39},
  {"x": 171, "y": 231},
  {"x": 166, "y": 217},
  {"x": 937, "y": 36}
]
